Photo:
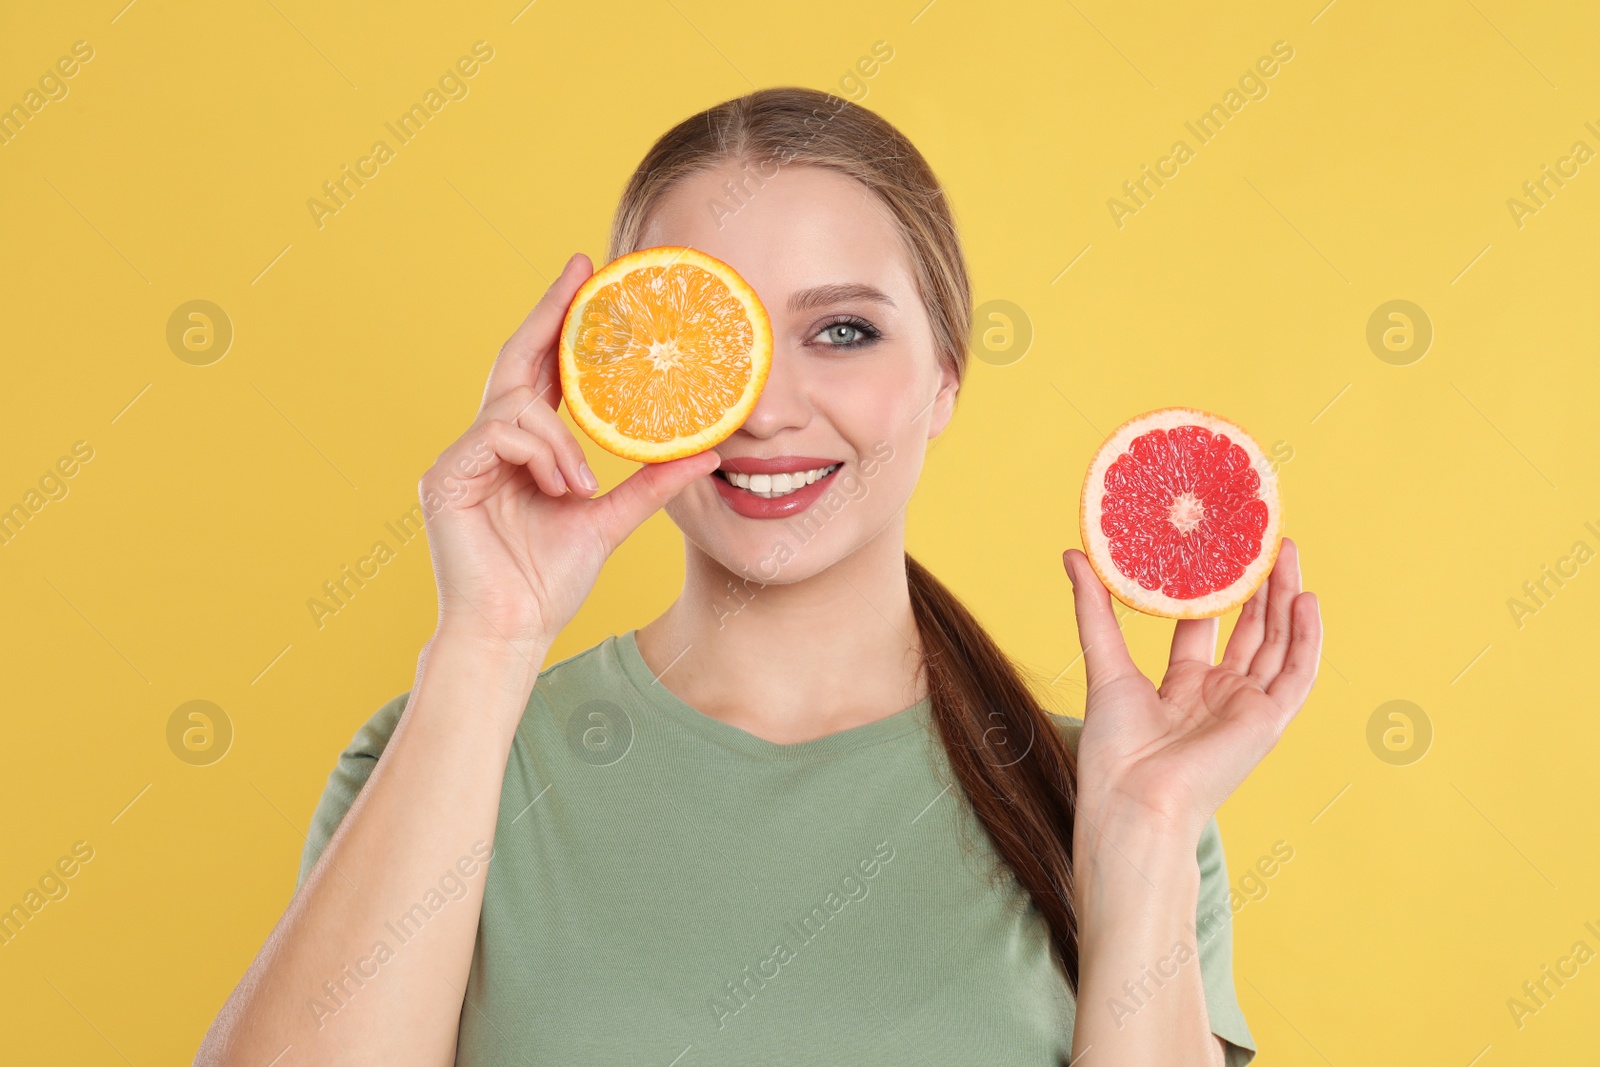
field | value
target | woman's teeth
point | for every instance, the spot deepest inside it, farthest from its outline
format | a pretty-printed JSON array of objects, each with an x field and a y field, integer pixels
[{"x": 771, "y": 485}]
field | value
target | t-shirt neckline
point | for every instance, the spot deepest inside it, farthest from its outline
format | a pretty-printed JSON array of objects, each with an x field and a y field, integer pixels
[{"x": 662, "y": 699}]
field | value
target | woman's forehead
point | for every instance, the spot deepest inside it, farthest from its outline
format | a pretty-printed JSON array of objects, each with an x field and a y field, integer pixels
[{"x": 789, "y": 233}]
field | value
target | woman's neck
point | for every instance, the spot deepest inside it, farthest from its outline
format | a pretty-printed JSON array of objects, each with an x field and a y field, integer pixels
[{"x": 794, "y": 661}]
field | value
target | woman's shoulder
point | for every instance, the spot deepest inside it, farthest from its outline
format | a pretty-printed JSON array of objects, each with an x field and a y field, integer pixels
[
  {"x": 1071, "y": 728},
  {"x": 594, "y": 671},
  {"x": 574, "y": 678}
]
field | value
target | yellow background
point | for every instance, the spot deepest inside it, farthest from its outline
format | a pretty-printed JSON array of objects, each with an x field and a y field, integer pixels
[{"x": 1377, "y": 168}]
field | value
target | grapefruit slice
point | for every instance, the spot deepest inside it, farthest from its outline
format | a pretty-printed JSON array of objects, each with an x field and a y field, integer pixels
[
  {"x": 663, "y": 353},
  {"x": 1181, "y": 515}
]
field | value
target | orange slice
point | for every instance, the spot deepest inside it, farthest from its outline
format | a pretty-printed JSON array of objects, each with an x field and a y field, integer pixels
[{"x": 663, "y": 354}]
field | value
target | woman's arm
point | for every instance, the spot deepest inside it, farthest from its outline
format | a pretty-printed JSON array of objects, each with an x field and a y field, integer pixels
[
  {"x": 321, "y": 990},
  {"x": 1140, "y": 995},
  {"x": 516, "y": 546},
  {"x": 1153, "y": 767}
]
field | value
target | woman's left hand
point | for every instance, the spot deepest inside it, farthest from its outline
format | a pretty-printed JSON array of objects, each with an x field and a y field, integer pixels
[{"x": 1174, "y": 754}]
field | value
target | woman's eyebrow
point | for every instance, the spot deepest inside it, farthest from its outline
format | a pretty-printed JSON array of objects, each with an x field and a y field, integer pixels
[{"x": 823, "y": 295}]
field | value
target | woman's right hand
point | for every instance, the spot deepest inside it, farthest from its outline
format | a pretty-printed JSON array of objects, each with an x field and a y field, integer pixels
[{"x": 517, "y": 539}]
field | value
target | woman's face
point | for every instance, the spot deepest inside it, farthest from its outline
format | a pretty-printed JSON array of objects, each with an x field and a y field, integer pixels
[{"x": 855, "y": 379}]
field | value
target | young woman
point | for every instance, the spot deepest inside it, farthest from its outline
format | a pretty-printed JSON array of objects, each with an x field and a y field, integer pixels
[{"x": 811, "y": 813}]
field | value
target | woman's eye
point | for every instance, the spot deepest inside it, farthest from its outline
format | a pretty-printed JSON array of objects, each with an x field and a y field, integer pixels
[{"x": 847, "y": 334}]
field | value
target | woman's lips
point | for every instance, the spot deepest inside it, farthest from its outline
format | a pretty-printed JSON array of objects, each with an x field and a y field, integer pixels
[{"x": 747, "y": 504}]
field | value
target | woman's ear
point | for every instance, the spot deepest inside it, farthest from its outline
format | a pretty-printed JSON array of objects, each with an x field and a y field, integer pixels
[{"x": 944, "y": 401}]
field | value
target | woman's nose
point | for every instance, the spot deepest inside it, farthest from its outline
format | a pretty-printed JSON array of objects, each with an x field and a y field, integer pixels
[{"x": 784, "y": 402}]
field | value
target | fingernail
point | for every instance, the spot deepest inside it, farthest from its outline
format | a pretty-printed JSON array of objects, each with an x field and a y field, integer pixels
[
  {"x": 561, "y": 483},
  {"x": 1072, "y": 575},
  {"x": 587, "y": 478}
]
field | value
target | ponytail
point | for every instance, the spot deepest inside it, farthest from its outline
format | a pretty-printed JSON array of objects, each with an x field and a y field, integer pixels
[{"x": 1010, "y": 758}]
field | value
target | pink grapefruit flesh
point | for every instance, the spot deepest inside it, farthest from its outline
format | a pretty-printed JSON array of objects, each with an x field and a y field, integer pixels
[{"x": 1181, "y": 515}]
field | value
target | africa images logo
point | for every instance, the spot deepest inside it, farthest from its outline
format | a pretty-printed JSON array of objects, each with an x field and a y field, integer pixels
[{"x": 742, "y": 989}]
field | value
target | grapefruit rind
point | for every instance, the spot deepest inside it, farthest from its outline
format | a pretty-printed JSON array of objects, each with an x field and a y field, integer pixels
[
  {"x": 604, "y": 433},
  {"x": 1097, "y": 547}
]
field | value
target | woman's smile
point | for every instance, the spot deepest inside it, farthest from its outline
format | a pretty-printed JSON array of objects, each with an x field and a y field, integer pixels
[{"x": 774, "y": 487}]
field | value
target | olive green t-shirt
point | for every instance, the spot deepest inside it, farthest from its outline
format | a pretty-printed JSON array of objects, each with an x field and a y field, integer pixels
[{"x": 669, "y": 889}]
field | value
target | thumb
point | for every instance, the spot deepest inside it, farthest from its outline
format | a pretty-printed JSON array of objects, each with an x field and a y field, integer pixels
[
  {"x": 643, "y": 492},
  {"x": 1105, "y": 652}
]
